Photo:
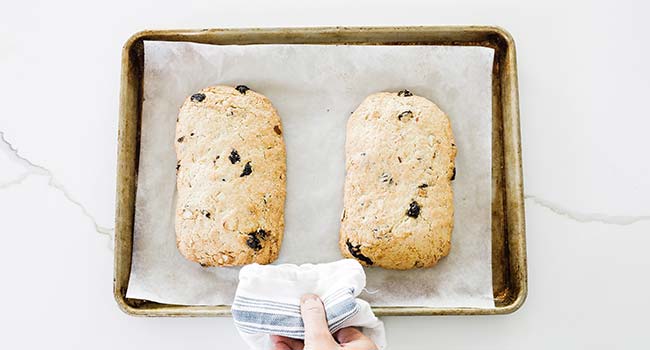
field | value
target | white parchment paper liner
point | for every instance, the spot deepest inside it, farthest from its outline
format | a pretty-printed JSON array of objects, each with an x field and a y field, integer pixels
[{"x": 315, "y": 89}]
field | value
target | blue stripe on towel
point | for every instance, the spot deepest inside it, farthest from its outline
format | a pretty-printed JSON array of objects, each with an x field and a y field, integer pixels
[
  {"x": 248, "y": 306},
  {"x": 269, "y": 317}
]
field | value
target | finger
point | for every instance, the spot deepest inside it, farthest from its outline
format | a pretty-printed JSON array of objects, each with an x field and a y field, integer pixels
[
  {"x": 348, "y": 334},
  {"x": 283, "y": 343},
  {"x": 352, "y": 338},
  {"x": 316, "y": 330}
]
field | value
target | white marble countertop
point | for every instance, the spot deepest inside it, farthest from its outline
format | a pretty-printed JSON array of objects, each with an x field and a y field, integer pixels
[{"x": 584, "y": 85}]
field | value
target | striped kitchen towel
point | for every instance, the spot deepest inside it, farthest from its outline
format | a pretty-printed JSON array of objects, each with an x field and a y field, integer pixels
[{"x": 267, "y": 300}]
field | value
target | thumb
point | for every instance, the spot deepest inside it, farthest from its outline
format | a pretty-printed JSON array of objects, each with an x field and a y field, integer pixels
[{"x": 317, "y": 334}]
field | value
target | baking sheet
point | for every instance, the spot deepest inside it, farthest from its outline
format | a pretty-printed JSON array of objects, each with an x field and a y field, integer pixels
[{"x": 315, "y": 88}]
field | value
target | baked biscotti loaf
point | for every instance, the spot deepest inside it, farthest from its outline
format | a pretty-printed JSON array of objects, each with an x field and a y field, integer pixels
[
  {"x": 231, "y": 178},
  {"x": 398, "y": 200}
]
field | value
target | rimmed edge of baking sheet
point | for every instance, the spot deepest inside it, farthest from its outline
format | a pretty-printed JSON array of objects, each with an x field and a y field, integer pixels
[{"x": 509, "y": 271}]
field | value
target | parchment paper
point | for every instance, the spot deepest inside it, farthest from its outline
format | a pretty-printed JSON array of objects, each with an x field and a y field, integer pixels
[{"x": 315, "y": 89}]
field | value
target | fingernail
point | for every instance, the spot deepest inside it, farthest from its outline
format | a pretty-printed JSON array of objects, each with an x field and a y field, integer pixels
[{"x": 308, "y": 298}]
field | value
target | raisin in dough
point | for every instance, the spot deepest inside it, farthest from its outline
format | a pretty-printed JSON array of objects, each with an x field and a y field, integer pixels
[
  {"x": 231, "y": 178},
  {"x": 398, "y": 200}
]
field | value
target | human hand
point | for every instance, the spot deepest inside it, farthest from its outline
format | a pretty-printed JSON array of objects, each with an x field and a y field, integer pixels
[{"x": 317, "y": 334}]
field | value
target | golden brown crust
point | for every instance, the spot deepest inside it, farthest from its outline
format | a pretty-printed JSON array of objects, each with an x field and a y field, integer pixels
[
  {"x": 231, "y": 178},
  {"x": 398, "y": 199}
]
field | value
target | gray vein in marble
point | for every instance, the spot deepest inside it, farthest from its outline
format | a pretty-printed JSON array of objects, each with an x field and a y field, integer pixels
[
  {"x": 33, "y": 169},
  {"x": 587, "y": 217},
  {"x": 16, "y": 181}
]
